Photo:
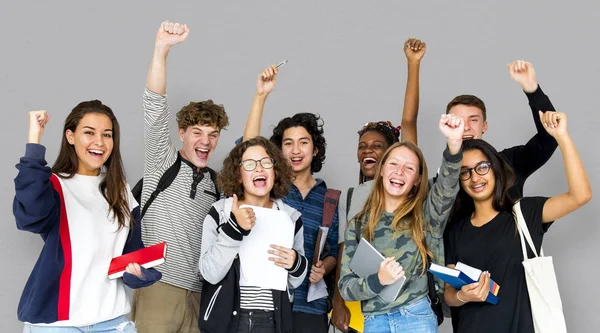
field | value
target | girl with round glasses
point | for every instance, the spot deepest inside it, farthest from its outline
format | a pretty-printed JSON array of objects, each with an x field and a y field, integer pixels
[
  {"x": 483, "y": 233},
  {"x": 255, "y": 173}
]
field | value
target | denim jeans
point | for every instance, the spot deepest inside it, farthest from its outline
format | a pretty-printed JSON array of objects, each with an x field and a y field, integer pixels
[
  {"x": 416, "y": 317},
  {"x": 117, "y": 325}
]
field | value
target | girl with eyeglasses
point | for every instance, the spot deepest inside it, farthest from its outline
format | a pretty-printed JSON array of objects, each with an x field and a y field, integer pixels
[
  {"x": 484, "y": 233},
  {"x": 255, "y": 173}
]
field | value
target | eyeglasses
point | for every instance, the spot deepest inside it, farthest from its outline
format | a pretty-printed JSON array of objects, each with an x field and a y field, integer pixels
[
  {"x": 482, "y": 168},
  {"x": 250, "y": 165}
]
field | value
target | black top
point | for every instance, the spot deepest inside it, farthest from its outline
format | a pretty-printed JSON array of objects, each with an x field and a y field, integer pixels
[
  {"x": 496, "y": 247},
  {"x": 526, "y": 159}
]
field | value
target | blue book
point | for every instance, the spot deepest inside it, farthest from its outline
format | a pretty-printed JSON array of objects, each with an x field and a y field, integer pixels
[{"x": 461, "y": 275}]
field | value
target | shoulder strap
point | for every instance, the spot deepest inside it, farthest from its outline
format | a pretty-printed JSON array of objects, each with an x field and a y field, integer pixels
[
  {"x": 137, "y": 190},
  {"x": 213, "y": 177},
  {"x": 349, "y": 199},
  {"x": 357, "y": 230},
  {"x": 165, "y": 181},
  {"x": 524, "y": 232},
  {"x": 332, "y": 197}
]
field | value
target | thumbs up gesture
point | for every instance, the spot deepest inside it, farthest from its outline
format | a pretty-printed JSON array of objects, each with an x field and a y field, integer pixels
[{"x": 244, "y": 217}]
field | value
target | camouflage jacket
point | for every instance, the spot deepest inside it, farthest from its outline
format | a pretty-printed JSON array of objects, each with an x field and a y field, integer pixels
[{"x": 399, "y": 244}]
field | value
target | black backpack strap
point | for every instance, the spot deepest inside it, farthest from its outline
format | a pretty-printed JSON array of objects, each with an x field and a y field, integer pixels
[
  {"x": 349, "y": 199},
  {"x": 357, "y": 231},
  {"x": 213, "y": 177},
  {"x": 165, "y": 181},
  {"x": 137, "y": 191}
]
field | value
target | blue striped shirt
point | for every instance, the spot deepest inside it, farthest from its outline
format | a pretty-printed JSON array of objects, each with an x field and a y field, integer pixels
[{"x": 311, "y": 208}]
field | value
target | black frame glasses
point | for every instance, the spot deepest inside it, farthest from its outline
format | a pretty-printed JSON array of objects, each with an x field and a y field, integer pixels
[
  {"x": 465, "y": 174},
  {"x": 250, "y": 165}
]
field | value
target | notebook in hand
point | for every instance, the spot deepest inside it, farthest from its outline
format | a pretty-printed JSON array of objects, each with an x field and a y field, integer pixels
[
  {"x": 461, "y": 275},
  {"x": 146, "y": 257},
  {"x": 366, "y": 261}
]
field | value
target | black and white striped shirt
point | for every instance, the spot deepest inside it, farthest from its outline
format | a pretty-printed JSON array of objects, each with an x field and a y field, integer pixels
[{"x": 174, "y": 217}]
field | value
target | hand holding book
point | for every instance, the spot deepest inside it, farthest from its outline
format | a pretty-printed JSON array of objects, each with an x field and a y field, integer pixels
[
  {"x": 472, "y": 284},
  {"x": 135, "y": 269},
  {"x": 475, "y": 292}
]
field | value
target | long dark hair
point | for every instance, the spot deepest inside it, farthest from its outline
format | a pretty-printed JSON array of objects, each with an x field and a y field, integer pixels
[
  {"x": 114, "y": 186},
  {"x": 505, "y": 179}
]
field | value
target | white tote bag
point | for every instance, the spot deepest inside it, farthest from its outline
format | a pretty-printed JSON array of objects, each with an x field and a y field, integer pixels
[{"x": 546, "y": 306}]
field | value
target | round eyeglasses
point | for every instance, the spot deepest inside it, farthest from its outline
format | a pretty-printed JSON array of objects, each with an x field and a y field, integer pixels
[
  {"x": 482, "y": 168},
  {"x": 250, "y": 165}
]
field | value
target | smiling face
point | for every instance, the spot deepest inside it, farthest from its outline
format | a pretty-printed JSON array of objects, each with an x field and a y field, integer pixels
[
  {"x": 477, "y": 186},
  {"x": 298, "y": 148},
  {"x": 371, "y": 147},
  {"x": 93, "y": 142},
  {"x": 257, "y": 183},
  {"x": 199, "y": 142},
  {"x": 400, "y": 172},
  {"x": 475, "y": 125}
]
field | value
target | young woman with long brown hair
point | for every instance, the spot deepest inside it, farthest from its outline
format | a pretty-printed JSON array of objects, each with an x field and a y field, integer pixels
[{"x": 84, "y": 211}]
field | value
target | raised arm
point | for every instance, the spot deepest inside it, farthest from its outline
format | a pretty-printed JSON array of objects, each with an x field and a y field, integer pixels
[
  {"x": 414, "y": 50},
  {"x": 36, "y": 204},
  {"x": 530, "y": 157},
  {"x": 440, "y": 198},
  {"x": 168, "y": 35},
  {"x": 159, "y": 148},
  {"x": 265, "y": 83},
  {"x": 579, "y": 189}
]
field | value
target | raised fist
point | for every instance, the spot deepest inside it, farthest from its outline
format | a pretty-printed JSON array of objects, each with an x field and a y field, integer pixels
[
  {"x": 171, "y": 33},
  {"x": 522, "y": 72},
  {"x": 266, "y": 81},
  {"x": 37, "y": 124},
  {"x": 414, "y": 49}
]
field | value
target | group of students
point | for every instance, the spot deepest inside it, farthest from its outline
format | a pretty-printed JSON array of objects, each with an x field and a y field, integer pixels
[{"x": 87, "y": 214}]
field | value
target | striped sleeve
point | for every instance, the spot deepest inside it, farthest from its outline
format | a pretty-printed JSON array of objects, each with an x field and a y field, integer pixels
[
  {"x": 300, "y": 267},
  {"x": 159, "y": 150}
]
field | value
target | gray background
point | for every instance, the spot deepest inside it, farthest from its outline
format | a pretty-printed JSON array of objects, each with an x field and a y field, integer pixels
[{"x": 345, "y": 62}]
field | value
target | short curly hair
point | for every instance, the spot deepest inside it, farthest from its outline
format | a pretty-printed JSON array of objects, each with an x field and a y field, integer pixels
[
  {"x": 314, "y": 126},
  {"x": 229, "y": 178},
  {"x": 205, "y": 113},
  {"x": 385, "y": 128}
]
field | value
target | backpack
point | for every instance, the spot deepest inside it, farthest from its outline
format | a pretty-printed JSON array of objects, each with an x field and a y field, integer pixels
[
  {"x": 165, "y": 181},
  {"x": 330, "y": 204}
]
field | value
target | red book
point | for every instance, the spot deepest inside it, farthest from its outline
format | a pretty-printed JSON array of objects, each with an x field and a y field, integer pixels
[{"x": 147, "y": 257}]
